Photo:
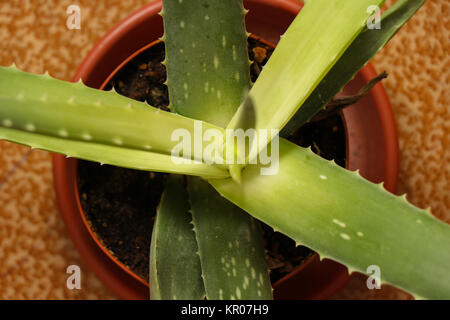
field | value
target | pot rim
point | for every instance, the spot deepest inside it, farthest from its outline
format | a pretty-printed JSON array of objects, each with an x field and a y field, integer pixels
[{"x": 63, "y": 168}]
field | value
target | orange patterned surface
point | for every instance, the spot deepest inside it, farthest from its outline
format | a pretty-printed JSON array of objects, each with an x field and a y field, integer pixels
[{"x": 35, "y": 248}]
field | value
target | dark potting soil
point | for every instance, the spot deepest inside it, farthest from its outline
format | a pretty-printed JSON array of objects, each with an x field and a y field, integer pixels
[{"x": 120, "y": 204}]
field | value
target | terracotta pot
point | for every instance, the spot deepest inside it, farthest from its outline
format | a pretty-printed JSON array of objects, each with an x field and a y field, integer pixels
[{"x": 371, "y": 147}]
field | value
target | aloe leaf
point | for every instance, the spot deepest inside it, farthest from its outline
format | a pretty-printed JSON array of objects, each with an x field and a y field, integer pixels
[
  {"x": 365, "y": 46},
  {"x": 344, "y": 217},
  {"x": 117, "y": 156},
  {"x": 175, "y": 271},
  {"x": 208, "y": 75},
  {"x": 230, "y": 246},
  {"x": 206, "y": 58},
  {"x": 313, "y": 43},
  {"x": 51, "y": 107}
]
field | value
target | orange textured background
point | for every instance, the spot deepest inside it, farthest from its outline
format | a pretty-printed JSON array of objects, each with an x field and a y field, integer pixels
[{"x": 35, "y": 248}]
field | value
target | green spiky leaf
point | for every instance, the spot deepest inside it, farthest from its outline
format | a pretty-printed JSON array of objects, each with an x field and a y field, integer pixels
[
  {"x": 365, "y": 46},
  {"x": 175, "y": 271},
  {"x": 105, "y": 154},
  {"x": 47, "y": 106},
  {"x": 230, "y": 246},
  {"x": 206, "y": 58},
  {"x": 208, "y": 77},
  {"x": 313, "y": 43},
  {"x": 90, "y": 124},
  {"x": 348, "y": 219}
]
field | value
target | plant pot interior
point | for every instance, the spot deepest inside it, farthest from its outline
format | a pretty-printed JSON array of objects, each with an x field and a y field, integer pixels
[{"x": 120, "y": 204}]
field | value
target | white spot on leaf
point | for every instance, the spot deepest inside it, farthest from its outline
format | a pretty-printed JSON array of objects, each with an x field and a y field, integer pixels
[
  {"x": 71, "y": 100},
  {"x": 86, "y": 136},
  {"x": 339, "y": 223},
  {"x": 118, "y": 141},
  {"x": 21, "y": 95},
  {"x": 345, "y": 236},
  {"x": 63, "y": 133},
  {"x": 30, "y": 127},
  {"x": 7, "y": 123}
]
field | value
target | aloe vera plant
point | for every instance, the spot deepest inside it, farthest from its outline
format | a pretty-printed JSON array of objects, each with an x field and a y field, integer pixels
[{"x": 206, "y": 240}]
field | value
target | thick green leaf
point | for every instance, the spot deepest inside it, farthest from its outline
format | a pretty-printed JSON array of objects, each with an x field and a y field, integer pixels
[
  {"x": 230, "y": 246},
  {"x": 207, "y": 61},
  {"x": 205, "y": 76},
  {"x": 51, "y": 107},
  {"x": 365, "y": 46},
  {"x": 175, "y": 271},
  {"x": 208, "y": 77},
  {"x": 106, "y": 154},
  {"x": 348, "y": 219},
  {"x": 313, "y": 43}
]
